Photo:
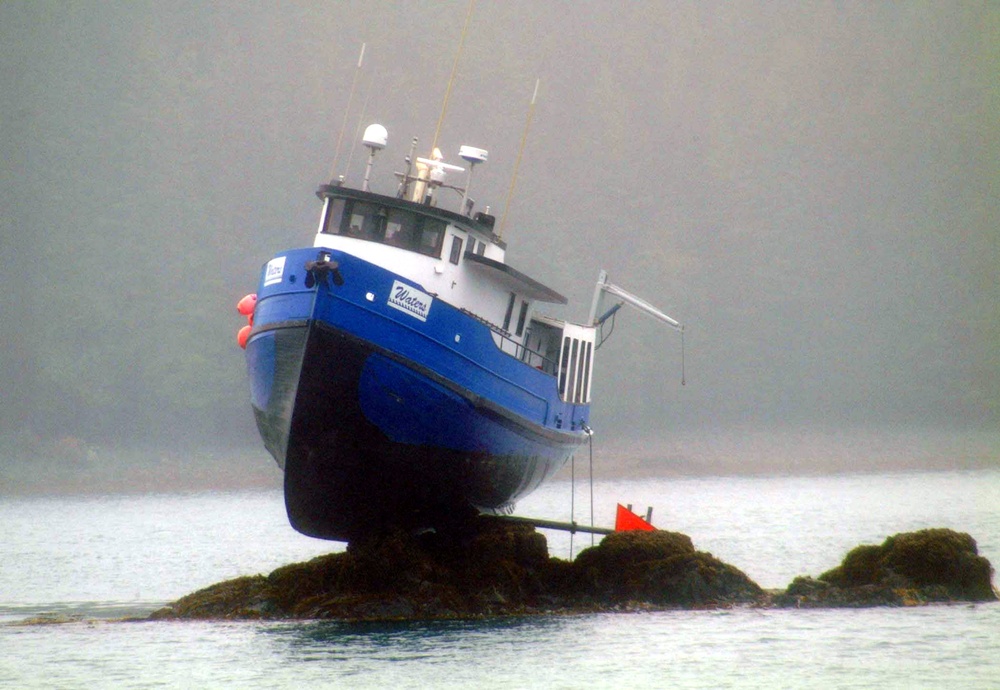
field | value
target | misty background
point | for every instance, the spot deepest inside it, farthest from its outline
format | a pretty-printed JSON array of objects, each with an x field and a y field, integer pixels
[{"x": 812, "y": 188}]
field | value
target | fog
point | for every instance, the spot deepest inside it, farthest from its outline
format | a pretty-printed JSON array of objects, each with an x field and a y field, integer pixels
[{"x": 811, "y": 188}]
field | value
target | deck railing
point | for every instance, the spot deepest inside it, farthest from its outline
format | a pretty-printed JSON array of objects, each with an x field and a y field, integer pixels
[{"x": 520, "y": 351}]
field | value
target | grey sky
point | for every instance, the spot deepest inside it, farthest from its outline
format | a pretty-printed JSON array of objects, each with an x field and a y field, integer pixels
[{"x": 810, "y": 187}]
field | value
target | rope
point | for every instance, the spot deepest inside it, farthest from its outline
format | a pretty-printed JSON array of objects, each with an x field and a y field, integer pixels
[
  {"x": 590, "y": 438},
  {"x": 682, "y": 356},
  {"x": 572, "y": 501}
]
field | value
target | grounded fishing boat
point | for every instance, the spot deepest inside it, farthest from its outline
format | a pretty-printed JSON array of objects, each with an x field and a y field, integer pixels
[{"x": 401, "y": 371}]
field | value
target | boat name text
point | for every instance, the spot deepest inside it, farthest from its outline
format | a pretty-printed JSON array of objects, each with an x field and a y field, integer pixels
[
  {"x": 410, "y": 300},
  {"x": 275, "y": 269}
]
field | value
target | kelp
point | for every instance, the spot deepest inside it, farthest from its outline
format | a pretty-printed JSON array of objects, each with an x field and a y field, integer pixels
[{"x": 499, "y": 568}]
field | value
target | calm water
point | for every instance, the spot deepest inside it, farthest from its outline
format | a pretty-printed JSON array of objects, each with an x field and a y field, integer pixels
[{"x": 101, "y": 557}]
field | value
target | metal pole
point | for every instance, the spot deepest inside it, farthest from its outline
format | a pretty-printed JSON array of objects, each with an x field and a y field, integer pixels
[
  {"x": 368, "y": 169},
  {"x": 602, "y": 279},
  {"x": 571, "y": 527}
]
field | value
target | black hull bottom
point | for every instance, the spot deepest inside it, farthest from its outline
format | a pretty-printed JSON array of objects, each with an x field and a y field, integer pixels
[{"x": 346, "y": 479}]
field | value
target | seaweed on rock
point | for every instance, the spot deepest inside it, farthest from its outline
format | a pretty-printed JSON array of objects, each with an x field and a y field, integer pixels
[
  {"x": 501, "y": 568},
  {"x": 930, "y": 565},
  {"x": 661, "y": 568}
]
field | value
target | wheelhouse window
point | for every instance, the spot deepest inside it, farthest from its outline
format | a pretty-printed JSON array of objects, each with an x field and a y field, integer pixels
[
  {"x": 430, "y": 236},
  {"x": 395, "y": 227},
  {"x": 456, "y": 249},
  {"x": 365, "y": 222},
  {"x": 510, "y": 311},
  {"x": 521, "y": 317},
  {"x": 400, "y": 229},
  {"x": 333, "y": 216}
]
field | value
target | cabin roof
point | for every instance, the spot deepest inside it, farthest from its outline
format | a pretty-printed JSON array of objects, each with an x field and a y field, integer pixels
[{"x": 520, "y": 283}]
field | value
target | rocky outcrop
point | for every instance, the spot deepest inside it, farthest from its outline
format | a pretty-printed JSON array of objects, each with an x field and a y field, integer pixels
[
  {"x": 931, "y": 565},
  {"x": 500, "y": 568},
  {"x": 660, "y": 568}
]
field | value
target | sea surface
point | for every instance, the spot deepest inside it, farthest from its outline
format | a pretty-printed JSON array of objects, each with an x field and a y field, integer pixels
[{"x": 82, "y": 562}]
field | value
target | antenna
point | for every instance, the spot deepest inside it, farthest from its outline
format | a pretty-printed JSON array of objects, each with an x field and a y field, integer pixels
[
  {"x": 361, "y": 118},
  {"x": 347, "y": 110},
  {"x": 451, "y": 79},
  {"x": 404, "y": 177},
  {"x": 517, "y": 164}
]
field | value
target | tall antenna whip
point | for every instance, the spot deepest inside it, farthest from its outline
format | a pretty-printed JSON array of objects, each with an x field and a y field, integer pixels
[
  {"x": 451, "y": 80},
  {"x": 361, "y": 121},
  {"x": 517, "y": 163},
  {"x": 347, "y": 110}
]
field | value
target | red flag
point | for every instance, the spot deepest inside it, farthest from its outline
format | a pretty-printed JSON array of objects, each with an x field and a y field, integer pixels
[{"x": 626, "y": 521}]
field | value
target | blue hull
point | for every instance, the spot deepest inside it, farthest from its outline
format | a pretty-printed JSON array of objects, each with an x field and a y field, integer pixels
[{"x": 379, "y": 418}]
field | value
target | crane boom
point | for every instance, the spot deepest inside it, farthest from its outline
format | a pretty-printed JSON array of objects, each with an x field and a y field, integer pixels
[{"x": 642, "y": 305}]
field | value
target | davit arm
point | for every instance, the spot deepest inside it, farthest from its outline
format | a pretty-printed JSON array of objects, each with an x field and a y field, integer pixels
[
  {"x": 627, "y": 297},
  {"x": 642, "y": 305}
]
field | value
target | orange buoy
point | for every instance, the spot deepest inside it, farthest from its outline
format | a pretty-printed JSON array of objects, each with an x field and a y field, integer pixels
[
  {"x": 243, "y": 336},
  {"x": 250, "y": 318},
  {"x": 246, "y": 305}
]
